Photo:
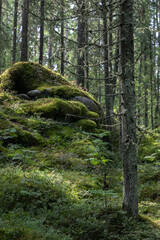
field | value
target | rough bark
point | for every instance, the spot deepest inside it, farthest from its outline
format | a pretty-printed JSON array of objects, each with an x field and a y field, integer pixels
[
  {"x": 0, "y": 13},
  {"x": 24, "y": 44},
  {"x": 128, "y": 105},
  {"x": 81, "y": 43},
  {"x": 62, "y": 37},
  {"x": 106, "y": 66},
  {"x": 41, "y": 33},
  {"x": 15, "y": 32}
]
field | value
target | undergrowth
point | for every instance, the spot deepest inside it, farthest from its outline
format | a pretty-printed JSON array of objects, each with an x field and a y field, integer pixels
[{"x": 69, "y": 185}]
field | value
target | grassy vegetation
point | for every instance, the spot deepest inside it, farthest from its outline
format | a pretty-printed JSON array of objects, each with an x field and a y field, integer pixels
[{"x": 52, "y": 177}]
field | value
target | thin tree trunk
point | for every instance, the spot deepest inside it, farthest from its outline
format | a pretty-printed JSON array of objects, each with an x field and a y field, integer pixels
[
  {"x": 0, "y": 14},
  {"x": 81, "y": 43},
  {"x": 157, "y": 109},
  {"x": 24, "y": 44},
  {"x": 62, "y": 37},
  {"x": 0, "y": 33},
  {"x": 106, "y": 66},
  {"x": 151, "y": 79},
  {"x": 15, "y": 32},
  {"x": 146, "y": 119},
  {"x": 86, "y": 53},
  {"x": 50, "y": 52},
  {"x": 41, "y": 33},
  {"x": 130, "y": 193}
]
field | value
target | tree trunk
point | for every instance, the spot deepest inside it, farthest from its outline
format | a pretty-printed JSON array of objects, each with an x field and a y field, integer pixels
[
  {"x": 50, "y": 52},
  {"x": 130, "y": 193},
  {"x": 15, "y": 32},
  {"x": 1, "y": 35},
  {"x": 146, "y": 119},
  {"x": 41, "y": 33},
  {"x": 151, "y": 79},
  {"x": 24, "y": 44},
  {"x": 106, "y": 66},
  {"x": 0, "y": 14},
  {"x": 62, "y": 37},
  {"x": 81, "y": 43}
]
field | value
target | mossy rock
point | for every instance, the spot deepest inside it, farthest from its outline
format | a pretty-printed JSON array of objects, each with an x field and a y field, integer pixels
[
  {"x": 87, "y": 125},
  {"x": 57, "y": 108},
  {"x": 25, "y": 76},
  {"x": 71, "y": 93}
]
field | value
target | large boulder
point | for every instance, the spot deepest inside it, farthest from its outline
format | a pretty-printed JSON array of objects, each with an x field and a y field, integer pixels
[
  {"x": 52, "y": 95},
  {"x": 26, "y": 76}
]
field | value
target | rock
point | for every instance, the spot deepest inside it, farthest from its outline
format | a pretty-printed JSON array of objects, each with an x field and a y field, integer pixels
[
  {"x": 23, "y": 77},
  {"x": 34, "y": 93},
  {"x": 24, "y": 96},
  {"x": 91, "y": 105}
]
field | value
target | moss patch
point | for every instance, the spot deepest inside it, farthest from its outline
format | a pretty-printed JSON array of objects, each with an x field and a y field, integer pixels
[
  {"x": 66, "y": 92},
  {"x": 58, "y": 109},
  {"x": 87, "y": 125},
  {"x": 25, "y": 76}
]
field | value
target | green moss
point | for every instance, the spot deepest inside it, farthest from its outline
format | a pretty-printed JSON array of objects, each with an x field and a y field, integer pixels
[
  {"x": 66, "y": 92},
  {"x": 87, "y": 124},
  {"x": 25, "y": 76},
  {"x": 56, "y": 108},
  {"x": 12, "y": 133}
]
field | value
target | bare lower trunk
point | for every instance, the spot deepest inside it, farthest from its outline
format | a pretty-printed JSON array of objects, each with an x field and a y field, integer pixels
[
  {"x": 128, "y": 105},
  {"x": 24, "y": 44}
]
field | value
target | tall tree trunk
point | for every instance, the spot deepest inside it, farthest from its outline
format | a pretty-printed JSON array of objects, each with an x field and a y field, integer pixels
[
  {"x": 15, "y": 32},
  {"x": 81, "y": 43},
  {"x": 151, "y": 83},
  {"x": 139, "y": 88},
  {"x": 146, "y": 119},
  {"x": 106, "y": 66},
  {"x": 130, "y": 193},
  {"x": 157, "y": 109},
  {"x": 0, "y": 33},
  {"x": 24, "y": 44},
  {"x": 62, "y": 37},
  {"x": 41, "y": 33},
  {"x": 50, "y": 52},
  {"x": 0, "y": 13},
  {"x": 86, "y": 69}
]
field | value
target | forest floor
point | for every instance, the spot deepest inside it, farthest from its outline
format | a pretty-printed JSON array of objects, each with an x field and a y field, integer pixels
[{"x": 52, "y": 177}]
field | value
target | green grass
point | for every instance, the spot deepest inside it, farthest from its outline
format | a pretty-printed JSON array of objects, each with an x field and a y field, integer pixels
[{"x": 54, "y": 190}]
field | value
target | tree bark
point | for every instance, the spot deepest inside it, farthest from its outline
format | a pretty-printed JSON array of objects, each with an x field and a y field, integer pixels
[
  {"x": 130, "y": 193},
  {"x": 15, "y": 32},
  {"x": 81, "y": 43},
  {"x": 106, "y": 66},
  {"x": 62, "y": 37},
  {"x": 41, "y": 33},
  {"x": 24, "y": 44},
  {"x": 0, "y": 14}
]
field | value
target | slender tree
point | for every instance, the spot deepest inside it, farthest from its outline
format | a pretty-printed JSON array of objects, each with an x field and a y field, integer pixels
[
  {"x": 24, "y": 44},
  {"x": 81, "y": 43},
  {"x": 106, "y": 65},
  {"x": 15, "y": 32},
  {"x": 62, "y": 37},
  {"x": 0, "y": 13},
  {"x": 130, "y": 194},
  {"x": 41, "y": 33}
]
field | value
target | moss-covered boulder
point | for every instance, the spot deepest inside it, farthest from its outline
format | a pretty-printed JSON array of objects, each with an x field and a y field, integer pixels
[
  {"x": 48, "y": 93},
  {"x": 87, "y": 125},
  {"x": 25, "y": 76},
  {"x": 58, "y": 109}
]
